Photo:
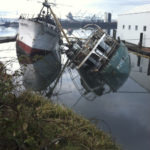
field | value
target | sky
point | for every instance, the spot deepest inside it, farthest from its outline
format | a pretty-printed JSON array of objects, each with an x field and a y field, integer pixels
[{"x": 77, "y": 7}]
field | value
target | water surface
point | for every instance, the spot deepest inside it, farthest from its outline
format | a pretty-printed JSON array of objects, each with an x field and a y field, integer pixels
[{"x": 123, "y": 114}]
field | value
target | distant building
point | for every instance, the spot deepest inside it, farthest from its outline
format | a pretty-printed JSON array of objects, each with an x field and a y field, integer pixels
[{"x": 134, "y": 22}]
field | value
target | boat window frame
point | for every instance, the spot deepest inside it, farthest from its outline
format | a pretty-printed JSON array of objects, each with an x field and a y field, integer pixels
[
  {"x": 129, "y": 27},
  {"x": 123, "y": 26},
  {"x": 136, "y": 27},
  {"x": 144, "y": 28}
]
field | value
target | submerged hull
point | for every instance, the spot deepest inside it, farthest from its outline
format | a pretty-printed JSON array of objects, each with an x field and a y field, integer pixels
[
  {"x": 117, "y": 70},
  {"x": 111, "y": 77},
  {"x": 37, "y": 37}
]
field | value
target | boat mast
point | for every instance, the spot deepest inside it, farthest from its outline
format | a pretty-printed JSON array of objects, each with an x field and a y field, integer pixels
[{"x": 40, "y": 13}]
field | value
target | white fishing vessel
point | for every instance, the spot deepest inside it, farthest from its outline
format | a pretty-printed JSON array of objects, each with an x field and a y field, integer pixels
[{"x": 38, "y": 35}]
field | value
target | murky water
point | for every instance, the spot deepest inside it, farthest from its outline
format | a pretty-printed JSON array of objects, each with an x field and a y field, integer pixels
[{"x": 123, "y": 114}]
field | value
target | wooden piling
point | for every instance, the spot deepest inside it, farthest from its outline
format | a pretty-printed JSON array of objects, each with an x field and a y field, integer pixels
[
  {"x": 141, "y": 40},
  {"x": 139, "y": 61},
  {"x": 140, "y": 47},
  {"x": 118, "y": 39},
  {"x": 108, "y": 30},
  {"x": 148, "y": 70},
  {"x": 114, "y": 34}
]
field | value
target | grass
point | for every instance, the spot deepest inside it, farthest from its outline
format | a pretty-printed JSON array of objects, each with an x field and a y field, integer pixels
[{"x": 32, "y": 122}]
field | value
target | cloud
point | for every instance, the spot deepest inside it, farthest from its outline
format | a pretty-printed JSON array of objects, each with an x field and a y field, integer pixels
[
  {"x": 88, "y": 6},
  {"x": 120, "y": 2},
  {"x": 117, "y": 6},
  {"x": 19, "y": 5}
]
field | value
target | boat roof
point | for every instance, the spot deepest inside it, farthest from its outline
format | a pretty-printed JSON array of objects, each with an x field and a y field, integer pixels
[{"x": 139, "y": 9}]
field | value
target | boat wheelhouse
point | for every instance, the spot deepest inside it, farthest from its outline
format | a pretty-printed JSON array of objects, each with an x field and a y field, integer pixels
[{"x": 101, "y": 53}]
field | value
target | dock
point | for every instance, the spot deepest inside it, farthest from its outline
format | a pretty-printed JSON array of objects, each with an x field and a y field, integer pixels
[
  {"x": 143, "y": 51},
  {"x": 7, "y": 39}
]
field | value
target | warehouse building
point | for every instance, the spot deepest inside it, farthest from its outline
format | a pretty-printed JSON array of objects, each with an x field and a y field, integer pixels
[{"x": 134, "y": 22}]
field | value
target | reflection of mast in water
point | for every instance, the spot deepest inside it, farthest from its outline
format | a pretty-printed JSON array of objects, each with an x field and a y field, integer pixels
[{"x": 39, "y": 71}]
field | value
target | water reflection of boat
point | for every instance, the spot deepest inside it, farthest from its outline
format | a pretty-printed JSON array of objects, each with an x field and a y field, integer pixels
[
  {"x": 100, "y": 83},
  {"x": 39, "y": 35},
  {"x": 39, "y": 71}
]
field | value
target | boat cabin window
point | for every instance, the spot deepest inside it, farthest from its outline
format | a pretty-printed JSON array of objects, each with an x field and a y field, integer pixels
[
  {"x": 144, "y": 28},
  {"x": 104, "y": 47},
  {"x": 123, "y": 27},
  {"x": 136, "y": 27},
  {"x": 129, "y": 27}
]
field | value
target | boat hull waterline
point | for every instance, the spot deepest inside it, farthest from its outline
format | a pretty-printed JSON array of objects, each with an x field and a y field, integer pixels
[{"x": 37, "y": 37}]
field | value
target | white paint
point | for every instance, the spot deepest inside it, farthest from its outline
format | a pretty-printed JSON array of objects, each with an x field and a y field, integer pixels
[
  {"x": 138, "y": 18},
  {"x": 37, "y": 35}
]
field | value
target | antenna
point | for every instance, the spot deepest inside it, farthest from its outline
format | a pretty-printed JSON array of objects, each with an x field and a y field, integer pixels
[{"x": 46, "y": 3}]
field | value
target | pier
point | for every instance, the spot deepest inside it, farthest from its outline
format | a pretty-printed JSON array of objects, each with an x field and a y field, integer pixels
[
  {"x": 7, "y": 39},
  {"x": 140, "y": 51}
]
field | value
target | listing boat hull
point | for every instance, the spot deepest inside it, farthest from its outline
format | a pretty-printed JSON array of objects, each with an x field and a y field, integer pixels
[
  {"x": 113, "y": 74},
  {"x": 117, "y": 70},
  {"x": 100, "y": 60},
  {"x": 37, "y": 38}
]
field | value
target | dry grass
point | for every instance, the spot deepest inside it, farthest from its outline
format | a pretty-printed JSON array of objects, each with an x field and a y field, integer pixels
[{"x": 31, "y": 122}]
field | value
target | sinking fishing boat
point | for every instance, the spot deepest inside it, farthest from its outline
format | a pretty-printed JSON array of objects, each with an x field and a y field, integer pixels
[
  {"x": 100, "y": 52},
  {"x": 98, "y": 64},
  {"x": 103, "y": 55},
  {"x": 38, "y": 35}
]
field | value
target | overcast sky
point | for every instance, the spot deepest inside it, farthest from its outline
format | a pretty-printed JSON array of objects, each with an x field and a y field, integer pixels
[{"x": 83, "y": 6}]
